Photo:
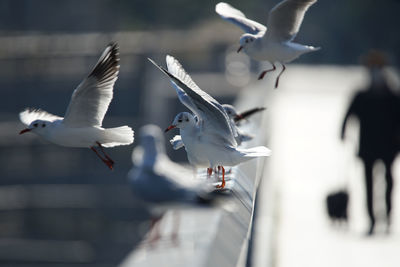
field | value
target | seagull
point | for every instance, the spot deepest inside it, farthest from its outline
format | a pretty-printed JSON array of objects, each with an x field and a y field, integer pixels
[
  {"x": 274, "y": 45},
  {"x": 81, "y": 125},
  {"x": 161, "y": 184},
  {"x": 158, "y": 180},
  {"x": 210, "y": 139},
  {"x": 235, "y": 117}
]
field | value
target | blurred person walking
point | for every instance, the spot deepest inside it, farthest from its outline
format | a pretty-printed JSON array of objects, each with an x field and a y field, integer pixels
[{"x": 378, "y": 110}]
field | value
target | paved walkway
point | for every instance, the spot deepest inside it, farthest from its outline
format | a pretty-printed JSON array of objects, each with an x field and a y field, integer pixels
[{"x": 308, "y": 162}]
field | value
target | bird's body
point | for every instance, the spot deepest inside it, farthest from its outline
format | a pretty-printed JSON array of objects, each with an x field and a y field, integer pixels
[
  {"x": 235, "y": 118},
  {"x": 274, "y": 42},
  {"x": 82, "y": 124},
  {"x": 284, "y": 52},
  {"x": 209, "y": 135},
  {"x": 156, "y": 180},
  {"x": 209, "y": 152},
  {"x": 57, "y": 133}
]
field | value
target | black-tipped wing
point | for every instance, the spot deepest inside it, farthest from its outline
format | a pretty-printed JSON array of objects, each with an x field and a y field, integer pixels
[
  {"x": 285, "y": 19},
  {"x": 29, "y": 115},
  {"x": 236, "y": 17},
  {"x": 247, "y": 114},
  {"x": 213, "y": 120},
  {"x": 90, "y": 101}
]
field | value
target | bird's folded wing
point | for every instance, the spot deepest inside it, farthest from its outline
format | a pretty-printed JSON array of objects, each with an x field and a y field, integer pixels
[
  {"x": 29, "y": 115},
  {"x": 177, "y": 142},
  {"x": 90, "y": 101},
  {"x": 285, "y": 19},
  {"x": 236, "y": 17}
]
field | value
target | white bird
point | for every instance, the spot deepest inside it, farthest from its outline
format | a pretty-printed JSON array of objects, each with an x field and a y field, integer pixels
[
  {"x": 275, "y": 44},
  {"x": 81, "y": 125},
  {"x": 159, "y": 184},
  {"x": 210, "y": 140},
  {"x": 235, "y": 117},
  {"x": 157, "y": 180}
]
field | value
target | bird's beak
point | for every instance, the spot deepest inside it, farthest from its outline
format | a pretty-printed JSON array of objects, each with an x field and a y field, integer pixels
[
  {"x": 169, "y": 128},
  {"x": 240, "y": 48},
  {"x": 238, "y": 117},
  {"x": 25, "y": 131}
]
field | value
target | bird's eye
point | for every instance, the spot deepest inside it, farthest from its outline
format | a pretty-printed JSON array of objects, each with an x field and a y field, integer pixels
[
  {"x": 43, "y": 125},
  {"x": 187, "y": 119},
  {"x": 247, "y": 40},
  {"x": 179, "y": 120},
  {"x": 35, "y": 125}
]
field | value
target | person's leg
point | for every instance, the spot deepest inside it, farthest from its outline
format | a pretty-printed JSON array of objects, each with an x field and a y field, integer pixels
[
  {"x": 368, "y": 166},
  {"x": 389, "y": 189}
]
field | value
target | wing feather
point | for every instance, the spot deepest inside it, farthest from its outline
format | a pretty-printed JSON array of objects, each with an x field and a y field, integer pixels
[
  {"x": 285, "y": 19},
  {"x": 90, "y": 100},
  {"x": 237, "y": 17}
]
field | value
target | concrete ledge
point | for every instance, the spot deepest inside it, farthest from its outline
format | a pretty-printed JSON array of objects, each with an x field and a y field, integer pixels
[{"x": 214, "y": 236}]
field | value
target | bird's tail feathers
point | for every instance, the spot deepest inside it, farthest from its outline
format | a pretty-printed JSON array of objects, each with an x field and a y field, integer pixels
[
  {"x": 118, "y": 136},
  {"x": 313, "y": 48},
  {"x": 258, "y": 151}
]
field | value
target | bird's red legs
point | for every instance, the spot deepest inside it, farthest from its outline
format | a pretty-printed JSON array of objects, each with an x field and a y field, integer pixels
[
  {"x": 105, "y": 154},
  {"x": 279, "y": 75},
  {"x": 223, "y": 178},
  {"x": 209, "y": 172},
  {"x": 108, "y": 161},
  {"x": 262, "y": 74}
]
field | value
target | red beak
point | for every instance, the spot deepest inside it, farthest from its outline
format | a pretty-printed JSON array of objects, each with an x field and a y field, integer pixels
[
  {"x": 24, "y": 131},
  {"x": 240, "y": 48},
  {"x": 169, "y": 128},
  {"x": 238, "y": 117}
]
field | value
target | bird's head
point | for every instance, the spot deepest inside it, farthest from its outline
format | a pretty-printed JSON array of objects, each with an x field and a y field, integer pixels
[
  {"x": 37, "y": 126},
  {"x": 181, "y": 121},
  {"x": 245, "y": 40}
]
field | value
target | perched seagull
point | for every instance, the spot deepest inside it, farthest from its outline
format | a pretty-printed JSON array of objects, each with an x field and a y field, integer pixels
[
  {"x": 81, "y": 126},
  {"x": 160, "y": 184},
  {"x": 158, "y": 180},
  {"x": 274, "y": 45},
  {"x": 210, "y": 139},
  {"x": 235, "y": 117}
]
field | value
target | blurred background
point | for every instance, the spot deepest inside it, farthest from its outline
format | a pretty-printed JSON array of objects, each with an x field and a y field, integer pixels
[{"x": 63, "y": 207}]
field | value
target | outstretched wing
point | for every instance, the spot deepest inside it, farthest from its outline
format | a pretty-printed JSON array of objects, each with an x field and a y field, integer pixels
[
  {"x": 236, "y": 17},
  {"x": 89, "y": 102},
  {"x": 285, "y": 19},
  {"x": 29, "y": 115},
  {"x": 212, "y": 118}
]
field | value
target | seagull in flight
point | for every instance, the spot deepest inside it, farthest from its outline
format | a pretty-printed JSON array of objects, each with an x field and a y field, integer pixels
[
  {"x": 210, "y": 139},
  {"x": 275, "y": 44},
  {"x": 82, "y": 123}
]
